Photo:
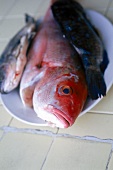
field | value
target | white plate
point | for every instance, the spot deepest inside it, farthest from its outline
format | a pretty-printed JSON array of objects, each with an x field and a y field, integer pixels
[{"x": 12, "y": 100}]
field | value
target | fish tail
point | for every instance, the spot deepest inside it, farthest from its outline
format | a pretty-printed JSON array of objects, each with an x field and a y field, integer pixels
[
  {"x": 29, "y": 19},
  {"x": 105, "y": 62},
  {"x": 96, "y": 83}
]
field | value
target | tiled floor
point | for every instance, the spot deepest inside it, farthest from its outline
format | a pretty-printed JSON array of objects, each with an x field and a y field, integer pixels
[{"x": 87, "y": 145}]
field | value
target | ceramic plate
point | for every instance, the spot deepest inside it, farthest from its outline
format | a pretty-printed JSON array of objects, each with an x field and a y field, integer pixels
[{"x": 12, "y": 101}]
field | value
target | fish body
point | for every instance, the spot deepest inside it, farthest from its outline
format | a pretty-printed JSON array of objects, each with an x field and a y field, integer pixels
[
  {"x": 13, "y": 58},
  {"x": 77, "y": 28},
  {"x": 53, "y": 82}
]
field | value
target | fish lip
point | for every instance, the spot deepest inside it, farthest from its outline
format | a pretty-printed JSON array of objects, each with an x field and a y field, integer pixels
[{"x": 64, "y": 119}]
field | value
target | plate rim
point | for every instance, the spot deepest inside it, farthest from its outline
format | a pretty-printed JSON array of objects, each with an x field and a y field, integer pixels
[{"x": 83, "y": 111}]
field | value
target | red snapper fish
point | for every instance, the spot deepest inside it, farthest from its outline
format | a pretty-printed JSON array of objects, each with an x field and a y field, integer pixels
[{"x": 53, "y": 82}]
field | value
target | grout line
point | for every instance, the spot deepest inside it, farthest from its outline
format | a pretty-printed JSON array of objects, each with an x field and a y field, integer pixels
[
  {"x": 10, "y": 121},
  {"x": 87, "y": 138},
  {"x": 57, "y": 130},
  {"x": 109, "y": 159},
  {"x": 13, "y": 16},
  {"x": 13, "y": 4},
  {"x": 9, "y": 9},
  {"x": 4, "y": 133},
  {"x": 101, "y": 112},
  {"x": 47, "y": 154},
  {"x": 8, "y": 129},
  {"x": 36, "y": 11},
  {"x": 2, "y": 136},
  {"x": 108, "y": 6},
  {"x": 48, "y": 151}
]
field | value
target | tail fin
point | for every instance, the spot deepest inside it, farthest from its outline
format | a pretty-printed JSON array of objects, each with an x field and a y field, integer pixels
[
  {"x": 96, "y": 83},
  {"x": 29, "y": 19},
  {"x": 105, "y": 62}
]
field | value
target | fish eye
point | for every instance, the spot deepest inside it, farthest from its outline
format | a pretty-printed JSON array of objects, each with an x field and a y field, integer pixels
[{"x": 66, "y": 90}]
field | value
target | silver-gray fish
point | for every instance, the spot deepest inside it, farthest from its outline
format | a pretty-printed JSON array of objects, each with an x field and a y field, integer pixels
[{"x": 13, "y": 59}]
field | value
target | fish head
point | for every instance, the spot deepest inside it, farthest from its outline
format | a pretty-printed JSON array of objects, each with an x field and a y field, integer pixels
[
  {"x": 7, "y": 73},
  {"x": 59, "y": 102}
]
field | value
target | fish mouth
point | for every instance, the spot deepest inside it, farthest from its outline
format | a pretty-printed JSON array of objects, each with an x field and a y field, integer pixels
[{"x": 62, "y": 117}]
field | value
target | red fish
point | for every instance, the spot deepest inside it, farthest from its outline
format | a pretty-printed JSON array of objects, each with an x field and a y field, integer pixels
[{"x": 53, "y": 82}]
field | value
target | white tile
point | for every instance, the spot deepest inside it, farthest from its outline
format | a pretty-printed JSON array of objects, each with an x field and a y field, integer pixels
[
  {"x": 5, "y": 118},
  {"x": 3, "y": 46},
  {"x": 111, "y": 4},
  {"x": 23, "y": 151},
  {"x": 110, "y": 166},
  {"x": 92, "y": 124},
  {"x": 25, "y": 6},
  {"x": 110, "y": 14},
  {"x": 72, "y": 154},
  {"x": 5, "y": 6},
  {"x": 19, "y": 124},
  {"x": 1, "y": 133},
  {"x": 97, "y": 4},
  {"x": 10, "y": 27},
  {"x": 43, "y": 7},
  {"x": 106, "y": 104}
]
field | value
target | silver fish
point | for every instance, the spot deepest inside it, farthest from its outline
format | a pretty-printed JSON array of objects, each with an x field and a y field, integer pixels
[{"x": 13, "y": 58}]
